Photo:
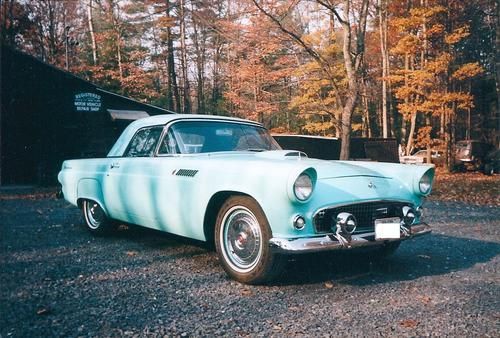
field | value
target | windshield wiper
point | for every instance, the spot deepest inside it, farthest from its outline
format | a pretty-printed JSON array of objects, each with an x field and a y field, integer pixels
[{"x": 258, "y": 150}]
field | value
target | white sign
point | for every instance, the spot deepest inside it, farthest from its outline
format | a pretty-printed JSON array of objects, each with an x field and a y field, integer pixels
[{"x": 87, "y": 102}]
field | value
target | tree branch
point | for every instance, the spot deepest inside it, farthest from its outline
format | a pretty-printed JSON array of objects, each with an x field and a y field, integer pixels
[{"x": 313, "y": 53}]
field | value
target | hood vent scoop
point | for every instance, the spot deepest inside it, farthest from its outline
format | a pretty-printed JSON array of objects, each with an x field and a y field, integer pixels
[
  {"x": 295, "y": 153},
  {"x": 282, "y": 154}
]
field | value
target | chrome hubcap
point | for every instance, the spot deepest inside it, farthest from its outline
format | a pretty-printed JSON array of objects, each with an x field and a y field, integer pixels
[
  {"x": 241, "y": 238},
  {"x": 95, "y": 214}
]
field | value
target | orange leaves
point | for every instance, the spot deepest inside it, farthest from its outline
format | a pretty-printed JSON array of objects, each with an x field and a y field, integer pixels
[
  {"x": 319, "y": 128},
  {"x": 468, "y": 71},
  {"x": 471, "y": 187},
  {"x": 457, "y": 35},
  {"x": 424, "y": 139},
  {"x": 409, "y": 323},
  {"x": 408, "y": 44},
  {"x": 165, "y": 22},
  {"x": 440, "y": 64}
]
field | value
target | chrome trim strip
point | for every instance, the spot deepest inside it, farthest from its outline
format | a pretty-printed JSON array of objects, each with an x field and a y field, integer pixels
[{"x": 325, "y": 243}]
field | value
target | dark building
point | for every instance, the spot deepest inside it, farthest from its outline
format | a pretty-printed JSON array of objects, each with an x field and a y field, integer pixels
[
  {"x": 48, "y": 115},
  {"x": 328, "y": 148}
]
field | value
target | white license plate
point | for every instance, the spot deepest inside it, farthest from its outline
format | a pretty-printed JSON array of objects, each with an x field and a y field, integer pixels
[{"x": 387, "y": 228}]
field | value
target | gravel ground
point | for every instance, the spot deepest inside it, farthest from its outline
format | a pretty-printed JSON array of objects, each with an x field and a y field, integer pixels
[{"x": 57, "y": 280}]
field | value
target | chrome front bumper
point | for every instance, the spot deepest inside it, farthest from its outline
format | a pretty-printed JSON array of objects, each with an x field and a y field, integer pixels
[{"x": 327, "y": 243}]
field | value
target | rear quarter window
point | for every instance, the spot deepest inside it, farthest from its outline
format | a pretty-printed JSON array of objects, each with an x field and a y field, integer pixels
[{"x": 144, "y": 142}]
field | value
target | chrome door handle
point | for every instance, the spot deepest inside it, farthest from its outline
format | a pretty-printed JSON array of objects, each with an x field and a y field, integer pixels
[{"x": 115, "y": 165}]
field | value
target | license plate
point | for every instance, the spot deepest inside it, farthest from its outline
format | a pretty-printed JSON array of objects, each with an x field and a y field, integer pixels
[{"x": 387, "y": 228}]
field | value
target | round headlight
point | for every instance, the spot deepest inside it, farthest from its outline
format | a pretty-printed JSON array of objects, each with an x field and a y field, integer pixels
[
  {"x": 303, "y": 187},
  {"x": 425, "y": 184}
]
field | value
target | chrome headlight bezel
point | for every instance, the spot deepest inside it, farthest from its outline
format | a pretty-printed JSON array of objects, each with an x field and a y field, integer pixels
[
  {"x": 425, "y": 183},
  {"x": 423, "y": 179},
  {"x": 303, "y": 187}
]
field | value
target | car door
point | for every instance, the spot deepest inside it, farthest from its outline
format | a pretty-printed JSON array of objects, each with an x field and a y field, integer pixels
[{"x": 128, "y": 187}]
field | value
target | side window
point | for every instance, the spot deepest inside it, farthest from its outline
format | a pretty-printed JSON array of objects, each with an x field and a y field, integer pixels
[
  {"x": 168, "y": 144},
  {"x": 144, "y": 142}
]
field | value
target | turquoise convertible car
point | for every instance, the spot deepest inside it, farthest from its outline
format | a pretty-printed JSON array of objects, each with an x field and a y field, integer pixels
[{"x": 226, "y": 180}]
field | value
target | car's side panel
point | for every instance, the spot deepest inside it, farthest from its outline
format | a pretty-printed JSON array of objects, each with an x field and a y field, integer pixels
[
  {"x": 172, "y": 193},
  {"x": 90, "y": 188}
]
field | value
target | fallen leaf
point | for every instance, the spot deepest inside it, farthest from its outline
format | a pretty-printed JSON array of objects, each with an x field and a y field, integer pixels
[
  {"x": 328, "y": 285},
  {"x": 409, "y": 323},
  {"x": 43, "y": 311},
  {"x": 131, "y": 253},
  {"x": 123, "y": 227},
  {"x": 246, "y": 292},
  {"x": 39, "y": 211}
]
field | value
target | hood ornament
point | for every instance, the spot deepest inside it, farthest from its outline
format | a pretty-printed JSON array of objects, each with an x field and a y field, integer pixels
[{"x": 371, "y": 185}]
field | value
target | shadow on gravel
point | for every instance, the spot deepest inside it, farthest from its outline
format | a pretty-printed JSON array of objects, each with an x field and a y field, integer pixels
[
  {"x": 434, "y": 255},
  {"x": 155, "y": 239}
]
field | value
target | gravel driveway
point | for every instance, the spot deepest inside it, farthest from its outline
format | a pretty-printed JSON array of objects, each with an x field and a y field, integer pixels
[{"x": 57, "y": 280}]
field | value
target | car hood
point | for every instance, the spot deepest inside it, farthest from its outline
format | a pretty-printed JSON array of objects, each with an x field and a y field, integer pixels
[{"x": 325, "y": 169}]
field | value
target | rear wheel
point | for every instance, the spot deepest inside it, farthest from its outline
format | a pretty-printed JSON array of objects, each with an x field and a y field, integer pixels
[
  {"x": 242, "y": 237},
  {"x": 488, "y": 169},
  {"x": 95, "y": 218}
]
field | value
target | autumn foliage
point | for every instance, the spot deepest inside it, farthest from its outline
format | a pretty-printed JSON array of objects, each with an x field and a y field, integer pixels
[{"x": 422, "y": 71}]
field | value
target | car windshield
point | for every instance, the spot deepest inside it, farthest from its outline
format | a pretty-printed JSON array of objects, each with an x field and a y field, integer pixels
[{"x": 191, "y": 137}]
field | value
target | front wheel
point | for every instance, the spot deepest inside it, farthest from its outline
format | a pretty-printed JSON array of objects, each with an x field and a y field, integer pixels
[
  {"x": 95, "y": 218},
  {"x": 242, "y": 237}
]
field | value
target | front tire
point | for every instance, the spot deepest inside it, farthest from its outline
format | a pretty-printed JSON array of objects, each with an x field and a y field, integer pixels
[
  {"x": 96, "y": 220},
  {"x": 242, "y": 235}
]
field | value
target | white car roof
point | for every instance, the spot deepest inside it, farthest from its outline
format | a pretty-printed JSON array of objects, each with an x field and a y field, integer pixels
[
  {"x": 160, "y": 120},
  {"x": 164, "y": 119}
]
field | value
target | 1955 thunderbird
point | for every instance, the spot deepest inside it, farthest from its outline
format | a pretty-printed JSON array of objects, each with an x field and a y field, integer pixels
[{"x": 226, "y": 180}]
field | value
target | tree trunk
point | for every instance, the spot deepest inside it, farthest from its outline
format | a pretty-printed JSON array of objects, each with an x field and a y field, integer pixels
[
  {"x": 91, "y": 30},
  {"x": 119, "y": 55},
  {"x": 186, "y": 92},
  {"x": 199, "y": 47},
  {"x": 404, "y": 122},
  {"x": 367, "y": 132},
  {"x": 115, "y": 17},
  {"x": 497, "y": 58},
  {"x": 413, "y": 124},
  {"x": 382, "y": 8},
  {"x": 172, "y": 76}
]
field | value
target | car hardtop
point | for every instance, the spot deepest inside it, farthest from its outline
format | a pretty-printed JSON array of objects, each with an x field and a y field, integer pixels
[
  {"x": 161, "y": 120},
  {"x": 158, "y": 120}
]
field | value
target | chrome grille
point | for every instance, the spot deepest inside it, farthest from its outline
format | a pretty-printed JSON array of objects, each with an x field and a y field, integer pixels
[
  {"x": 186, "y": 172},
  {"x": 365, "y": 213}
]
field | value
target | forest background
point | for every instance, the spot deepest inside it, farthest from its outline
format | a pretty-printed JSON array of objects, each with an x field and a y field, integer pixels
[{"x": 421, "y": 71}]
